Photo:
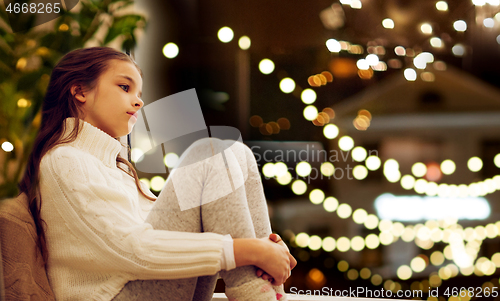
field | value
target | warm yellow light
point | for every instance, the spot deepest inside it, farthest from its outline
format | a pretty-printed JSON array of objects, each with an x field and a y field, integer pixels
[
  {"x": 397, "y": 229},
  {"x": 244, "y": 42},
  {"x": 285, "y": 179},
  {"x": 386, "y": 238},
  {"x": 170, "y": 50},
  {"x": 373, "y": 163},
  {"x": 392, "y": 175},
  {"x": 365, "y": 273},
  {"x": 448, "y": 167},
  {"x": 266, "y": 66},
  {"x": 496, "y": 160},
  {"x": 388, "y": 23},
  {"x": 316, "y": 196},
  {"x": 417, "y": 264},
  {"x": 171, "y": 160},
  {"x": 372, "y": 241},
  {"x": 225, "y": 34},
  {"x": 315, "y": 242},
  {"x": 344, "y": 211},
  {"x": 343, "y": 266},
  {"x": 360, "y": 172},
  {"x": 346, "y": 143},
  {"x": 475, "y": 164},
  {"x": 23, "y": 103},
  {"x": 357, "y": 243},
  {"x": 404, "y": 272},
  {"x": 329, "y": 244},
  {"x": 437, "y": 258},
  {"x": 327, "y": 169},
  {"x": 268, "y": 170},
  {"x": 376, "y": 279},
  {"x": 426, "y": 28},
  {"x": 371, "y": 221},
  {"x": 299, "y": 187},
  {"x": 331, "y": 131},
  {"x": 310, "y": 112},
  {"x": 491, "y": 231},
  {"x": 436, "y": 235},
  {"x": 436, "y": 42},
  {"x": 432, "y": 189},
  {"x": 280, "y": 169},
  {"x": 359, "y": 153},
  {"x": 391, "y": 164},
  {"x": 343, "y": 244},
  {"x": 407, "y": 182},
  {"x": 496, "y": 259},
  {"x": 7, "y": 146},
  {"x": 385, "y": 225},
  {"x": 419, "y": 169},
  {"x": 157, "y": 183},
  {"x": 302, "y": 240},
  {"x": 333, "y": 45},
  {"x": 421, "y": 186},
  {"x": 287, "y": 85},
  {"x": 359, "y": 216},
  {"x": 408, "y": 234},
  {"x": 442, "y": 5},
  {"x": 330, "y": 204},
  {"x": 308, "y": 96},
  {"x": 303, "y": 169}
]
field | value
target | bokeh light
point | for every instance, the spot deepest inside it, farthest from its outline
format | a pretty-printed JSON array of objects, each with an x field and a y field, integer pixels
[
  {"x": 170, "y": 50},
  {"x": 244, "y": 42},
  {"x": 475, "y": 164},
  {"x": 346, "y": 143},
  {"x": 331, "y": 131},
  {"x": 330, "y": 204},
  {"x": 287, "y": 85},
  {"x": 308, "y": 96},
  {"x": 157, "y": 183},
  {"x": 225, "y": 34},
  {"x": 266, "y": 66},
  {"x": 299, "y": 187}
]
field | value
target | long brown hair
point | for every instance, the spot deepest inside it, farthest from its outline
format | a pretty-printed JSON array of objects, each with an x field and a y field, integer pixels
[{"x": 81, "y": 67}]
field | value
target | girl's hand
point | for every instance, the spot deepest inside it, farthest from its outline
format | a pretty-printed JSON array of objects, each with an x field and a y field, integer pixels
[
  {"x": 277, "y": 239},
  {"x": 273, "y": 258}
]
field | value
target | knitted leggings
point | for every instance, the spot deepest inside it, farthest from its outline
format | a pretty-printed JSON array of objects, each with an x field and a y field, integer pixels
[{"x": 242, "y": 212}]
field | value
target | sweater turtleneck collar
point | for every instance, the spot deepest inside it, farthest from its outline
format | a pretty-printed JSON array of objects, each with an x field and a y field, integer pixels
[{"x": 94, "y": 141}]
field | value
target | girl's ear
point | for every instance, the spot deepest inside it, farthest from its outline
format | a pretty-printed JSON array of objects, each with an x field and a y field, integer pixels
[{"x": 76, "y": 91}]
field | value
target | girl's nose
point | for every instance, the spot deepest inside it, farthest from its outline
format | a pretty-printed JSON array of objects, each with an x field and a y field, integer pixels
[{"x": 139, "y": 103}]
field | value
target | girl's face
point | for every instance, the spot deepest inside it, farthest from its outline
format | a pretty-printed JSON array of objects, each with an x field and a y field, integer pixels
[{"x": 113, "y": 104}]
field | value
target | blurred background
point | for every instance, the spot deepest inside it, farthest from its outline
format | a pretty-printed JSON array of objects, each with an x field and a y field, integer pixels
[{"x": 374, "y": 122}]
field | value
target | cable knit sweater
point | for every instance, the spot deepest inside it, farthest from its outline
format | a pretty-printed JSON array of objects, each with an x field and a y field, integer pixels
[{"x": 96, "y": 235}]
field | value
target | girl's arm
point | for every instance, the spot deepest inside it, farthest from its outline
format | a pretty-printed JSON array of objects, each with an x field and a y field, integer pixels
[{"x": 273, "y": 258}]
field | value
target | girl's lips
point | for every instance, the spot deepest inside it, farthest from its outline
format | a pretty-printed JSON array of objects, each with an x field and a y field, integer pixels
[{"x": 133, "y": 115}]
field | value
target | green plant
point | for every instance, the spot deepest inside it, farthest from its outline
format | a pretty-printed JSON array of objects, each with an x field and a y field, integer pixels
[{"x": 26, "y": 61}]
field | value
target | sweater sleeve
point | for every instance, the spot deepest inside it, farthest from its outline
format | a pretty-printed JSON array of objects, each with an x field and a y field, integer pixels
[{"x": 92, "y": 209}]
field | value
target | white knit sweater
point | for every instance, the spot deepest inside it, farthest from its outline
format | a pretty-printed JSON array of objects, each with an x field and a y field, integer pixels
[{"x": 96, "y": 235}]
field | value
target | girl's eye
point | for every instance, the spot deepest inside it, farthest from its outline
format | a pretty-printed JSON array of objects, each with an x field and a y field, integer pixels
[{"x": 124, "y": 89}]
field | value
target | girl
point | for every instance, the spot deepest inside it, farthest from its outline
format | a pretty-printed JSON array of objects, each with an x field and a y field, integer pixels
[{"x": 105, "y": 235}]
